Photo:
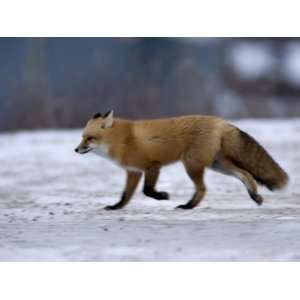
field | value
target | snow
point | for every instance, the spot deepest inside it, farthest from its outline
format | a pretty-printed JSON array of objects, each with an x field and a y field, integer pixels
[{"x": 52, "y": 199}]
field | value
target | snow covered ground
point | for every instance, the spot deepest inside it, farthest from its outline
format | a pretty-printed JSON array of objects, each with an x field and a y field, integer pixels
[{"x": 52, "y": 199}]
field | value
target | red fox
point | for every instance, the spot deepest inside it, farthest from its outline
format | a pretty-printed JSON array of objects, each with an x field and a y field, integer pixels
[{"x": 199, "y": 142}]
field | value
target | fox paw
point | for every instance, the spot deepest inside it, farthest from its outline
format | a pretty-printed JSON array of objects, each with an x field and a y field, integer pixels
[
  {"x": 184, "y": 206},
  {"x": 156, "y": 195},
  {"x": 162, "y": 196},
  {"x": 112, "y": 207},
  {"x": 259, "y": 199}
]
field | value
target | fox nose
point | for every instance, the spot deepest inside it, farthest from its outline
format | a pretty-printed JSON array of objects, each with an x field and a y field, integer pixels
[{"x": 76, "y": 150}]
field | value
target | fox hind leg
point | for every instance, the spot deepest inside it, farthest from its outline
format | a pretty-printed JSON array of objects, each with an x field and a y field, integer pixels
[
  {"x": 227, "y": 167},
  {"x": 196, "y": 174},
  {"x": 151, "y": 177}
]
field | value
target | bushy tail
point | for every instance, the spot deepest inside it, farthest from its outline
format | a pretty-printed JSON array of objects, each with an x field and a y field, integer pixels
[{"x": 245, "y": 152}]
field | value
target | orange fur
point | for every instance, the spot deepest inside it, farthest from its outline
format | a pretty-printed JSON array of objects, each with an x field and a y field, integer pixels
[{"x": 198, "y": 141}]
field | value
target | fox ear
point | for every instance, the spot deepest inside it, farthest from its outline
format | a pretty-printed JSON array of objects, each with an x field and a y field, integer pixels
[
  {"x": 96, "y": 116},
  {"x": 108, "y": 119}
]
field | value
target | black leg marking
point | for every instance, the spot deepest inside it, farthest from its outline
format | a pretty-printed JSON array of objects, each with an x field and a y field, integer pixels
[
  {"x": 154, "y": 194},
  {"x": 118, "y": 205},
  {"x": 151, "y": 176},
  {"x": 256, "y": 197},
  {"x": 190, "y": 205}
]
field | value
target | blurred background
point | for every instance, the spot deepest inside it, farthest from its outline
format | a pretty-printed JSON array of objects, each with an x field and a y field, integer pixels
[{"x": 61, "y": 82}]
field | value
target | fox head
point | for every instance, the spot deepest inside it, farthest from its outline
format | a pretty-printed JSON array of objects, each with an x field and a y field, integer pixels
[{"x": 94, "y": 133}]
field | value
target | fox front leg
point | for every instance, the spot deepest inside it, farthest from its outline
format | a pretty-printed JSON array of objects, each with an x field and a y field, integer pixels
[
  {"x": 151, "y": 177},
  {"x": 132, "y": 181}
]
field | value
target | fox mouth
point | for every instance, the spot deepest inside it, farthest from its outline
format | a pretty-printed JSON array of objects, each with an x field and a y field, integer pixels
[{"x": 85, "y": 151}]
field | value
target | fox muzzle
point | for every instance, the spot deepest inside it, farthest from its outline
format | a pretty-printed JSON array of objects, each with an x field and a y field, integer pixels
[{"x": 82, "y": 150}]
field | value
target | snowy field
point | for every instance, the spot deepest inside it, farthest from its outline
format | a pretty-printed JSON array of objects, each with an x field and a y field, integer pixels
[{"x": 52, "y": 199}]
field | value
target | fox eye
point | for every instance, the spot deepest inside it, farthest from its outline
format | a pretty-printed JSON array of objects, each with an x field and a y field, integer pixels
[{"x": 89, "y": 138}]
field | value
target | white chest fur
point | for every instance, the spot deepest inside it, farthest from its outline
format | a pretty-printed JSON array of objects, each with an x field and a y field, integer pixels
[{"x": 103, "y": 151}]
